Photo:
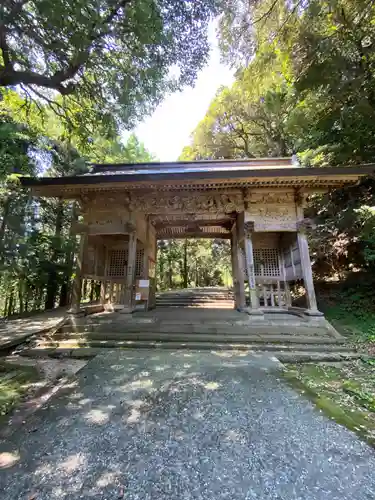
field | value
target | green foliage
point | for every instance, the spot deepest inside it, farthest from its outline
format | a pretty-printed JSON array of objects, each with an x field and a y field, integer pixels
[
  {"x": 193, "y": 263},
  {"x": 15, "y": 381},
  {"x": 349, "y": 305},
  {"x": 346, "y": 393},
  {"x": 305, "y": 84},
  {"x": 108, "y": 60},
  {"x": 257, "y": 116},
  {"x": 364, "y": 398},
  {"x": 115, "y": 151},
  {"x": 37, "y": 245}
]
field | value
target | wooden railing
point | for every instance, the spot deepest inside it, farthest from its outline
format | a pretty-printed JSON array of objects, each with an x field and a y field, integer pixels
[{"x": 273, "y": 294}]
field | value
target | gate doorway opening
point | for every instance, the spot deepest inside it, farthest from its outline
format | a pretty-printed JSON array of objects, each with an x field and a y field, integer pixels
[
  {"x": 193, "y": 263},
  {"x": 194, "y": 273}
]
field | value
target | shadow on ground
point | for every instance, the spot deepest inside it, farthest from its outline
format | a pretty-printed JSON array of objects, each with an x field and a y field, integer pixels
[{"x": 192, "y": 425}]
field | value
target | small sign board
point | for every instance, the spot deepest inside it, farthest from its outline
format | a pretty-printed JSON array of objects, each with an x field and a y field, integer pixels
[
  {"x": 144, "y": 283},
  {"x": 138, "y": 296}
]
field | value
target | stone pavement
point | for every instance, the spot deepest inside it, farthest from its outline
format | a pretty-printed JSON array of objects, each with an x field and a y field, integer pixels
[
  {"x": 15, "y": 331},
  {"x": 183, "y": 425}
]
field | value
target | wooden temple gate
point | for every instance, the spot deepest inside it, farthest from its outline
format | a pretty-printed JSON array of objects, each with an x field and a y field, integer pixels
[{"x": 257, "y": 204}]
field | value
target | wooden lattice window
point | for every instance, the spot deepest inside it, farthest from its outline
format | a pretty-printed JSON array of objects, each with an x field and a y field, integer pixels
[
  {"x": 266, "y": 262},
  {"x": 118, "y": 260},
  {"x": 139, "y": 262},
  {"x": 89, "y": 261}
]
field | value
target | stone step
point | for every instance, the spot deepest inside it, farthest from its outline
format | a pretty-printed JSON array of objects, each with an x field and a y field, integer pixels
[
  {"x": 196, "y": 296},
  {"x": 255, "y": 345},
  {"x": 201, "y": 305},
  {"x": 194, "y": 299},
  {"x": 284, "y": 357},
  {"x": 195, "y": 293},
  {"x": 198, "y": 328},
  {"x": 197, "y": 338}
]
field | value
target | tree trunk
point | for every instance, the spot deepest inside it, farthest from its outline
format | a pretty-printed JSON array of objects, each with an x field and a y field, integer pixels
[
  {"x": 92, "y": 290},
  {"x": 20, "y": 295},
  {"x": 69, "y": 260},
  {"x": 97, "y": 290},
  {"x": 170, "y": 272},
  {"x": 10, "y": 304},
  {"x": 3, "y": 227},
  {"x": 52, "y": 283},
  {"x": 84, "y": 291},
  {"x": 185, "y": 264},
  {"x": 5, "y": 312}
]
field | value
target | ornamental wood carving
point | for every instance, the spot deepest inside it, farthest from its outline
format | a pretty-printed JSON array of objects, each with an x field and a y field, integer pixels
[
  {"x": 99, "y": 203},
  {"x": 273, "y": 212},
  {"x": 269, "y": 198},
  {"x": 275, "y": 226},
  {"x": 155, "y": 203},
  {"x": 249, "y": 228},
  {"x": 305, "y": 225}
]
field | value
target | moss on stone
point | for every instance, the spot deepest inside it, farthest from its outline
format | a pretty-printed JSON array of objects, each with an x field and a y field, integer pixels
[{"x": 344, "y": 392}]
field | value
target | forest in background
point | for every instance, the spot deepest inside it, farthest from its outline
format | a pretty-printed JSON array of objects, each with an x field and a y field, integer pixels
[
  {"x": 185, "y": 263},
  {"x": 75, "y": 78},
  {"x": 305, "y": 85}
]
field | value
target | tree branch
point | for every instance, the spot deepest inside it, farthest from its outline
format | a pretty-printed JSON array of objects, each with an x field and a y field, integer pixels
[
  {"x": 5, "y": 48},
  {"x": 9, "y": 76},
  {"x": 81, "y": 58},
  {"x": 266, "y": 14},
  {"x": 12, "y": 77}
]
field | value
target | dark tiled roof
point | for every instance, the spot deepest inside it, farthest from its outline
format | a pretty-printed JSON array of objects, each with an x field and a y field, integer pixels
[{"x": 190, "y": 166}]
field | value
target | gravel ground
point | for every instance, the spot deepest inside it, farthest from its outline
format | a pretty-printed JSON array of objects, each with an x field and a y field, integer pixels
[{"x": 183, "y": 425}]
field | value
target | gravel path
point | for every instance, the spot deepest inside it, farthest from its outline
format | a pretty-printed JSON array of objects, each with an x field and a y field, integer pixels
[{"x": 180, "y": 426}]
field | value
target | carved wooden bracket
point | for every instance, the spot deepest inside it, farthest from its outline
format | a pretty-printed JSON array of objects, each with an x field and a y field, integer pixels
[
  {"x": 79, "y": 227},
  {"x": 305, "y": 225},
  {"x": 249, "y": 228},
  {"x": 300, "y": 197},
  {"x": 129, "y": 227}
]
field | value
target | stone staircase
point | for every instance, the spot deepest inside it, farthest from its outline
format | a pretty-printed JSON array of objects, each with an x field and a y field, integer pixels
[
  {"x": 212, "y": 298},
  {"x": 287, "y": 337}
]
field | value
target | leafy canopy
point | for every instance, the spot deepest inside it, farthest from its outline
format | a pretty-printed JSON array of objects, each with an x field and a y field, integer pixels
[{"x": 121, "y": 56}]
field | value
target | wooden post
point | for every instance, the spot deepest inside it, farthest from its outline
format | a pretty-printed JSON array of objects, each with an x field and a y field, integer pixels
[
  {"x": 312, "y": 308},
  {"x": 249, "y": 257},
  {"x": 234, "y": 262},
  {"x": 103, "y": 284},
  {"x": 146, "y": 261},
  {"x": 77, "y": 285},
  {"x": 130, "y": 274},
  {"x": 288, "y": 298},
  {"x": 238, "y": 273}
]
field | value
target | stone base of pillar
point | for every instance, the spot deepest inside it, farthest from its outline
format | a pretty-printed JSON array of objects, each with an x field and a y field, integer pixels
[
  {"x": 77, "y": 312},
  {"x": 258, "y": 313},
  {"x": 126, "y": 310},
  {"x": 241, "y": 309},
  {"x": 314, "y": 313}
]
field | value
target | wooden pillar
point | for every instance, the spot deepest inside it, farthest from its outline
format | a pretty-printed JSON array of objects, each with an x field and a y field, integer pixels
[
  {"x": 77, "y": 285},
  {"x": 287, "y": 295},
  {"x": 103, "y": 284},
  {"x": 237, "y": 271},
  {"x": 241, "y": 279},
  {"x": 234, "y": 263},
  {"x": 312, "y": 308},
  {"x": 249, "y": 258},
  {"x": 130, "y": 274}
]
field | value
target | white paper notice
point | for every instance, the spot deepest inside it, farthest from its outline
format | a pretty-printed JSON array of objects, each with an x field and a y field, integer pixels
[
  {"x": 137, "y": 296},
  {"x": 144, "y": 283}
]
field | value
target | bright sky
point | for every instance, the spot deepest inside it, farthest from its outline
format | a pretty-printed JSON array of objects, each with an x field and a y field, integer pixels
[{"x": 168, "y": 129}]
